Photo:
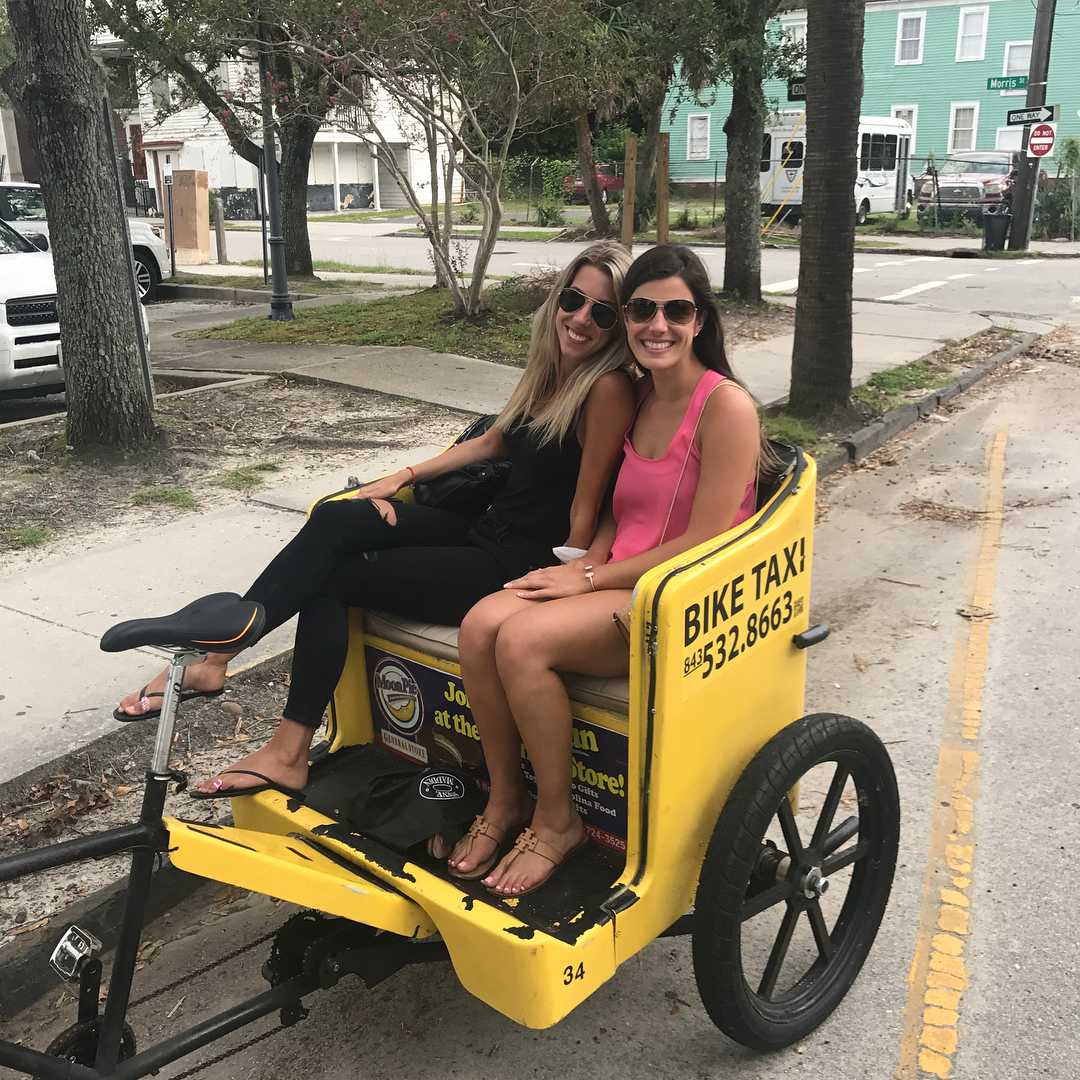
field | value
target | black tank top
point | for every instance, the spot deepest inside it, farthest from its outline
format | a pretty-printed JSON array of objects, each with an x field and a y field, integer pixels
[{"x": 531, "y": 514}]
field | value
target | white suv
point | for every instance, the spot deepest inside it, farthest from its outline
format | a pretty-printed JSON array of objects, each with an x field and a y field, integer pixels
[
  {"x": 31, "y": 358},
  {"x": 23, "y": 208}
]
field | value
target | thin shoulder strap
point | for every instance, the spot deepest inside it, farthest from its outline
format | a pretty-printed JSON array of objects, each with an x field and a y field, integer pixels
[{"x": 686, "y": 460}]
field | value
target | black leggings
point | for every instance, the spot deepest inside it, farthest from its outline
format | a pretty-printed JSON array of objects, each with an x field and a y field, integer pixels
[{"x": 347, "y": 555}]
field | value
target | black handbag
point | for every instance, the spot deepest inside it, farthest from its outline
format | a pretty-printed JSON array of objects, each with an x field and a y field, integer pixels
[{"x": 472, "y": 488}]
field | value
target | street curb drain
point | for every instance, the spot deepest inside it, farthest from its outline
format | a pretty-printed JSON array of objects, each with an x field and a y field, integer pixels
[{"x": 868, "y": 439}]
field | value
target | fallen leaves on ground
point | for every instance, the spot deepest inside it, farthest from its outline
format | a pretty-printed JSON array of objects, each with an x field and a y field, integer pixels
[
  {"x": 973, "y": 611},
  {"x": 927, "y": 510}
]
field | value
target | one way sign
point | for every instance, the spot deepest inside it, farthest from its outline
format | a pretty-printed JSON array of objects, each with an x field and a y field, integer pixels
[{"x": 1040, "y": 114}]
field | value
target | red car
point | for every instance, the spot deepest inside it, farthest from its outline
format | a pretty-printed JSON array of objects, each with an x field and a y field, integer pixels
[{"x": 609, "y": 177}]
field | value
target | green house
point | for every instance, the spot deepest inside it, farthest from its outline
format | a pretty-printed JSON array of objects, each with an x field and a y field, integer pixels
[{"x": 929, "y": 63}]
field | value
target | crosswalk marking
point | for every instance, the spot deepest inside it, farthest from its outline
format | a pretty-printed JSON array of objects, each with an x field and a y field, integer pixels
[
  {"x": 781, "y": 286},
  {"x": 957, "y": 277}
]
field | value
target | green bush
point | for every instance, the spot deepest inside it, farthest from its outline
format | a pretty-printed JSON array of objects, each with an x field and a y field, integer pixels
[
  {"x": 468, "y": 214},
  {"x": 549, "y": 214},
  {"x": 555, "y": 172}
]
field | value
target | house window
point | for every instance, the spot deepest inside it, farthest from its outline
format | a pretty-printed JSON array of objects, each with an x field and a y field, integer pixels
[
  {"x": 910, "y": 27},
  {"x": 697, "y": 137},
  {"x": 910, "y": 113},
  {"x": 795, "y": 32},
  {"x": 1009, "y": 138},
  {"x": 963, "y": 123},
  {"x": 971, "y": 34},
  {"x": 1017, "y": 62}
]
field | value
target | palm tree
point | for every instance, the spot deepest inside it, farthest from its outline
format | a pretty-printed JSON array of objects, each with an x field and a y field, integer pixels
[{"x": 821, "y": 357}]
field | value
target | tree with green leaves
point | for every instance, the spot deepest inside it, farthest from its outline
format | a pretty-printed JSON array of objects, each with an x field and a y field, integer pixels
[
  {"x": 821, "y": 358},
  {"x": 189, "y": 40},
  {"x": 471, "y": 74},
  {"x": 55, "y": 82}
]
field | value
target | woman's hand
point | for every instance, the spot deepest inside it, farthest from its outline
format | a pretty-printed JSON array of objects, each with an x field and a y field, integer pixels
[
  {"x": 551, "y": 582},
  {"x": 385, "y": 488}
]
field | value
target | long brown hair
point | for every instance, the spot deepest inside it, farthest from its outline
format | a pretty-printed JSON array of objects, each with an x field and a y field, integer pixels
[
  {"x": 539, "y": 386},
  {"x": 678, "y": 260}
]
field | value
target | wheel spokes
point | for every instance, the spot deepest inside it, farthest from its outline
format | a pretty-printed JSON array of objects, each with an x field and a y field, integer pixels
[
  {"x": 767, "y": 898},
  {"x": 779, "y": 953},
  {"x": 835, "y": 863},
  {"x": 790, "y": 829},
  {"x": 821, "y": 931},
  {"x": 832, "y": 801}
]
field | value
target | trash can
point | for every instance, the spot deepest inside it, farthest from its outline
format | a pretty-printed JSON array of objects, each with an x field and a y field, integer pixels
[{"x": 996, "y": 222}]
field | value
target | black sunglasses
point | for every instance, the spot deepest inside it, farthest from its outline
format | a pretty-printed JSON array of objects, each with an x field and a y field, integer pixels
[
  {"x": 603, "y": 315},
  {"x": 642, "y": 310}
]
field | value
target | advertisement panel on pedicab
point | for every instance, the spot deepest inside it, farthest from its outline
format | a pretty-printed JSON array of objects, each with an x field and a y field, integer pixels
[{"x": 423, "y": 713}]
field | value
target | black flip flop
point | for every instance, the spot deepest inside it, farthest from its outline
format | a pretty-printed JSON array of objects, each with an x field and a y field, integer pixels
[
  {"x": 232, "y": 793},
  {"x": 153, "y": 714}
]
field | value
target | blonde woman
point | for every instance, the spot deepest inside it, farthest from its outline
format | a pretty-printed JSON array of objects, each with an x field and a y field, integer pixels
[{"x": 562, "y": 430}]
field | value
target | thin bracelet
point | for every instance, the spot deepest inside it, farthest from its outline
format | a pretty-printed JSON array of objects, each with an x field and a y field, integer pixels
[
  {"x": 589, "y": 575},
  {"x": 412, "y": 473}
]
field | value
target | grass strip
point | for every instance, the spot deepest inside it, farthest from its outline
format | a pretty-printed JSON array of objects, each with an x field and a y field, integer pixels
[
  {"x": 425, "y": 319},
  {"x": 297, "y": 284},
  {"x": 246, "y": 477},
  {"x": 24, "y": 536},
  {"x": 163, "y": 495}
]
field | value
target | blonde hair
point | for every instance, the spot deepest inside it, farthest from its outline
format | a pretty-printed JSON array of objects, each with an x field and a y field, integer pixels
[{"x": 540, "y": 383}]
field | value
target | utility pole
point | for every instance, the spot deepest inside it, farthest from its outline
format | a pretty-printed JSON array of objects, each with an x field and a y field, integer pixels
[
  {"x": 1023, "y": 200},
  {"x": 281, "y": 309}
]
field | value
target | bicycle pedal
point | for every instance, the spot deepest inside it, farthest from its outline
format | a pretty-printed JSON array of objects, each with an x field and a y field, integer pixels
[{"x": 72, "y": 951}]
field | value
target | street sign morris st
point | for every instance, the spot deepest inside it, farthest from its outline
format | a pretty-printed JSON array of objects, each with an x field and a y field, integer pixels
[
  {"x": 1007, "y": 82},
  {"x": 1041, "y": 140},
  {"x": 1037, "y": 114}
]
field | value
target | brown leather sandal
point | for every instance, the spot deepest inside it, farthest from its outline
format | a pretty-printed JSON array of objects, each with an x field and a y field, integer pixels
[
  {"x": 482, "y": 827},
  {"x": 529, "y": 841}
]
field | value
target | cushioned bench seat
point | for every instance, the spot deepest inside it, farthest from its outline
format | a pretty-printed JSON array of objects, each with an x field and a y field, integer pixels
[{"x": 441, "y": 641}]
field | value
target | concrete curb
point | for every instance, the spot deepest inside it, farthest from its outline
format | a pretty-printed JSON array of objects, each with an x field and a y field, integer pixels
[
  {"x": 167, "y": 291},
  {"x": 870, "y": 438}
]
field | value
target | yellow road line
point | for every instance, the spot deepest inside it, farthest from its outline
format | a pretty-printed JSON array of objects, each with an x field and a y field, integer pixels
[{"x": 938, "y": 975}]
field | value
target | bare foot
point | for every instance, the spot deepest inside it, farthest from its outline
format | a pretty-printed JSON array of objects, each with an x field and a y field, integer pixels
[
  {"x": 209, "y": 675},
  {"x": 284, "y": 759},
  {"x": 520, "y": 871},
  {"x": 472, "y": 851}
]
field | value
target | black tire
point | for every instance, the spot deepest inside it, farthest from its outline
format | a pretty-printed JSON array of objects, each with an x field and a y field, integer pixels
[
  {"x": 147, "y": 274},
  {"x": 78, "y": 1043},
  {"x": 862, "y": 215},
  {"x": 744, "y": 879}
]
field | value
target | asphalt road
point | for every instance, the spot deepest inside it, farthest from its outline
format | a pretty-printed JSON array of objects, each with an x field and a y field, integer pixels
[{"x": 975, "y": 508}]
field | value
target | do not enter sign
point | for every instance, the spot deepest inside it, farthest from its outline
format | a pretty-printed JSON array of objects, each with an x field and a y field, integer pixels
[{"x": 1041, "y": 140}]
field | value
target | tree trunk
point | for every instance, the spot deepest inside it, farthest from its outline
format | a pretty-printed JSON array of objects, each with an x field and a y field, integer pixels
[
  {"x": 56, "y": 82},
  {"x": 654, "y": 117},
  {"x": 821, "y": 358},
  {"x": 742, "y": 190},
  {"x": 587, "y": 164},
  {"x": 297, "y": 135}
]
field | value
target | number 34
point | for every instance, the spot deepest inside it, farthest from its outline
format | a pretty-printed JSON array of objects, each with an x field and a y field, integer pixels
[{"x": 569, "y": 974}]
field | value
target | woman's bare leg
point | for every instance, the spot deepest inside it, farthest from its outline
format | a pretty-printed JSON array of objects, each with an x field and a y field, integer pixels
[
  {"x": 284, "y": 759},
  {"x": 509, "y": 803},
  {"x": 572, "y": 634},
  {"x": 209, "y": 675}
]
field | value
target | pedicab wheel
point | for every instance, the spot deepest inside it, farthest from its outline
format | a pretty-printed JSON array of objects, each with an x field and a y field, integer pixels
[
  {"x": 79, "y": 1043},
  {"x": 785, "y": 912}
]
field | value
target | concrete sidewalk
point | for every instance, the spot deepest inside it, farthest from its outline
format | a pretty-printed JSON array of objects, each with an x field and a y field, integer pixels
[{"x": 886, "y": 335}]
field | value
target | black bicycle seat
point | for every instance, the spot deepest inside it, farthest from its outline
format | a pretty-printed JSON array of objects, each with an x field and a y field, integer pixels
[{"x": 220, "y": 622}]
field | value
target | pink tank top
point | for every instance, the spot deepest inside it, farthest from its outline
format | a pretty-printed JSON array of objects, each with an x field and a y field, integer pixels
[{"x": 645, "y": 485}]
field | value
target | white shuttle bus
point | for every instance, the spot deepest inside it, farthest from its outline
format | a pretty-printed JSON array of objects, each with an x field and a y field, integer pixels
[{"x": 883, "y": 181}]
